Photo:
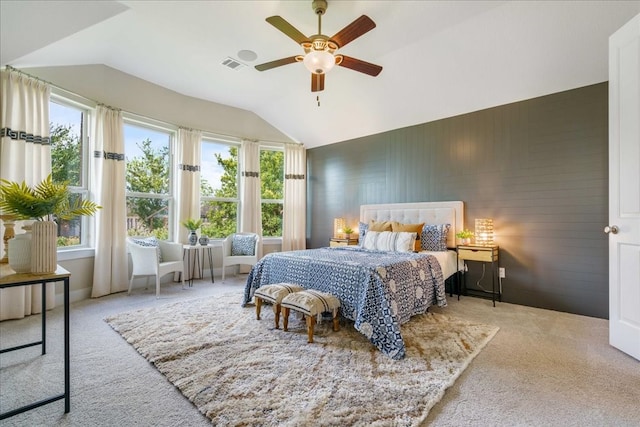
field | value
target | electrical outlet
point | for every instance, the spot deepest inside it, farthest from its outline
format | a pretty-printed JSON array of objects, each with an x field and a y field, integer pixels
[{"x": 501, "y": 273}]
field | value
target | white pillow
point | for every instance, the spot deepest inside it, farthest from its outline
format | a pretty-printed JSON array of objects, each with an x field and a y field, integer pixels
[{"x": 390, "y": 241}]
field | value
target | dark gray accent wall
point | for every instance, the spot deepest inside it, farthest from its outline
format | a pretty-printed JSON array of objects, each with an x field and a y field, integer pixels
[{"x": 538, "y": 167}]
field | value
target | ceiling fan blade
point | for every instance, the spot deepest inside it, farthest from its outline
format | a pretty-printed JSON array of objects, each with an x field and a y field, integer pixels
[
  {"x": 276, "y": 63},
  {"x": 360, "y": 65},
  {"x": 317, "y": 82},
  {"x": 280, "y": 23},
  {"x": 353, "y": 31}
]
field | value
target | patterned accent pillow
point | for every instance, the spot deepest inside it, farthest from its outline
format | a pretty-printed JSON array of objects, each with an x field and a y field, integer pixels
[
  {"x": 389, "y": 241},
  {"x": 411, "y": 228},
  {"x": 243, "y": 245},
  {"x": 362, "y": 230},
  {"x": 149, "y": 242},
  {"x": 434, "y": 237}
]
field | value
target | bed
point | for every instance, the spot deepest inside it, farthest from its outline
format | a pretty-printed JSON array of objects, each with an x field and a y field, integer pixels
[{"x": 378, "y": 290}]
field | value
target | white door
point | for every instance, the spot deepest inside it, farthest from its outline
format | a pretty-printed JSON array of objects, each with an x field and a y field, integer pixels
[{"x": 624, "y": 188}]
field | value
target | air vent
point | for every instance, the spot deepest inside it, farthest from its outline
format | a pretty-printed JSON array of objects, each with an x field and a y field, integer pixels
[{"x": 233, "y": 64}]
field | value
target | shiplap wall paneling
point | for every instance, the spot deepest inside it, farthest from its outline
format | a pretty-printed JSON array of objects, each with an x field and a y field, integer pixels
[{"x": 537, "y": 167}]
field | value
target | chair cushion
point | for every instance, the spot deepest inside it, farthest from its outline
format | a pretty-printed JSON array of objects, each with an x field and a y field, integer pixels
[
  {"x": 311, "y": 302},
  {"x": 149, "y": 242},
  {"x": 243, "y": 244},
  {"x": 276, "y": 292}
]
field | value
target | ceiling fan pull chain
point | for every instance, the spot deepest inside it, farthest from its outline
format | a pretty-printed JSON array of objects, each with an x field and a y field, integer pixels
[{"x": 318, "y": 99}]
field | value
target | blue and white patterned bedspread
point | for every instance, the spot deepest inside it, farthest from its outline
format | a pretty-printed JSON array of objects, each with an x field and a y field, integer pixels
[{"x": 379, "y": 291}]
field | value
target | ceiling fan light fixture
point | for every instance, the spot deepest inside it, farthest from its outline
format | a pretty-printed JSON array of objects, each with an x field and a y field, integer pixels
[
  {"x": 319, "y": 62},
  {"x": 319, "y": 50}
]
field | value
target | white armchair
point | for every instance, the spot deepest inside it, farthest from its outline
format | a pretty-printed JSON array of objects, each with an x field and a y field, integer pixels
[
  {"x": 240, "y": 249},
  {"x": 146, "y": 260}
]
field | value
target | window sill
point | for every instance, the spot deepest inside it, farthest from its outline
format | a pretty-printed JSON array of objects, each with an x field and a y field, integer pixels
[
  {"x": 272, "y": 240},
  {"x": 78, "y": 253}
]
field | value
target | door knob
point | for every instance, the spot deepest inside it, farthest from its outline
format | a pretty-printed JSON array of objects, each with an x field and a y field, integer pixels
[{"x": 613, "y": 229}]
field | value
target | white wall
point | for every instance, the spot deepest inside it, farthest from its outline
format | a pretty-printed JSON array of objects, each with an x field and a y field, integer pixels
[{"x": 112, "y": 87}]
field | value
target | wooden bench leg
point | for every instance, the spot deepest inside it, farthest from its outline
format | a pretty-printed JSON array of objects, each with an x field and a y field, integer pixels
[
  {"x": 285, "y": 319},
  {"x": 277, "y": 316},
  {"x": 311, "y": 321},
  {"x": 258, "y": 306},
  {"x": 336, "y": 323}
]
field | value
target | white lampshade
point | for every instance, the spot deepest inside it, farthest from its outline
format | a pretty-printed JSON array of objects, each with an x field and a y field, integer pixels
[
  {"x": 319, "y": 61},
  {"x": 484, "y": 231}
]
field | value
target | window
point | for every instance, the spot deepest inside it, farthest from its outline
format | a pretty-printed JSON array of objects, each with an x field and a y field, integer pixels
[
  {"x": 148, "y": 175},
  {"x": 272, "y": 195},
  {"x": 68, "y": 129},
  {"x": 218, "y": 188}
]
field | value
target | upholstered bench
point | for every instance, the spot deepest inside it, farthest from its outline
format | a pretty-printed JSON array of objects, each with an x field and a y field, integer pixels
[
  {"x": 311, "y": 303},
  {"x": 274, "y": 294}
]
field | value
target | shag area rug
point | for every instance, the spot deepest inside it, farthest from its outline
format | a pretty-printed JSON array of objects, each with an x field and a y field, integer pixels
[{"x": 241, "y": 371}]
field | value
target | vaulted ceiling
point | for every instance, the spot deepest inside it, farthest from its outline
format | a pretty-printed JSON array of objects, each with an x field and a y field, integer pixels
[{"x": 439, "y": 58}]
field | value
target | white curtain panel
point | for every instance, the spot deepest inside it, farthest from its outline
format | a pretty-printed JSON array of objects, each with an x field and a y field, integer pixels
[
  {"x": 188, "y": 179},
  {"x": 111, "y": 267},
  {"x": 25, "y": 155},
  {"x": 295, "y": 198},
  {"x": 251, "y": 216}
]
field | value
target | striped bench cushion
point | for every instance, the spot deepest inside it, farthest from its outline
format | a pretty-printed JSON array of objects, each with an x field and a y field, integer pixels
[
  {"x": 311, "y": 302},
  {"x": 276, "y": 292}
]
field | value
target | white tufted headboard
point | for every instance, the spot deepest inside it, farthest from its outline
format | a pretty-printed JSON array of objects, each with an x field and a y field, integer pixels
[{"x": 415, "y": 213}]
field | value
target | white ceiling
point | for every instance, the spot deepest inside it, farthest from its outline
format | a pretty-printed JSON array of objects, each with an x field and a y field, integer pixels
[{"x": 440, "y": 58}]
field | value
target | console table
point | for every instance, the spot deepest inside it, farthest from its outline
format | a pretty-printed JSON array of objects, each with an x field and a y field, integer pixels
[{"x": 10, "y": 279}]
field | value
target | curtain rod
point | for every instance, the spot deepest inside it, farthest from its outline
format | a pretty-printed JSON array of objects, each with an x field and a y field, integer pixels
[
  {"x": 31, "y": 76},
  {"x": 213, "y": 133}
]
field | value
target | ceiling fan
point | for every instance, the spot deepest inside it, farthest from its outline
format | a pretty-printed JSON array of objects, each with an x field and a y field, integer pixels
[{"x": 319, "y": 49}]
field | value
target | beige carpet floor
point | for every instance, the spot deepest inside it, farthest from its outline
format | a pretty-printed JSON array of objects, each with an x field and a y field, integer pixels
[
  {"x": 239, "y": 371},
  {"x": 543, "y": 368}
]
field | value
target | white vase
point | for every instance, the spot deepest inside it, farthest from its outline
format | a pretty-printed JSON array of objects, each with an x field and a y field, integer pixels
[
  {"x": 44, "y": 247},
  {"x": 19, "y": 253}
]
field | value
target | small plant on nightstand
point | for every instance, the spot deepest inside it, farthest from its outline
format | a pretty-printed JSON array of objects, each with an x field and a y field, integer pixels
[
  {"x": 465, "y": 236},
  {"x": 347, "y": 232}
]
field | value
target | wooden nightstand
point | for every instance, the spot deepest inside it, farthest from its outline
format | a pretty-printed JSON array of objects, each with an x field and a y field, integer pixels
[
  {"x": 334, "y": 242},
  {"x": 483, "y": 254}
]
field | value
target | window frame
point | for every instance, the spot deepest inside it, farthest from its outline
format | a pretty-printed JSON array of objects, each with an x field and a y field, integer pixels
[
  {"x": 267, "y": 147},
  {"x": 130, "y": 119},
  {"x": 212, "y": 139},
  {"x": 87, "y": 224}
]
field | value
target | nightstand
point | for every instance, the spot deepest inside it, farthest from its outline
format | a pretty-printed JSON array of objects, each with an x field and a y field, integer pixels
[
  {"x": 335, "y": 242},
  {"x": 485, "y": 255}
]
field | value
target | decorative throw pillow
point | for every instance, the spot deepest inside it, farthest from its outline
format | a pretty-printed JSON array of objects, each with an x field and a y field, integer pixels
[
  {"x": 243, "y": 244},
  {"x": 149, "y": 242},
  {"x": 362, "y": 230},
  {"x": 389, "y": 241},
  {"x": 411, "y": 228},
  {"x": 379, "y": 225},
  {"x": 434, "y": 237}
]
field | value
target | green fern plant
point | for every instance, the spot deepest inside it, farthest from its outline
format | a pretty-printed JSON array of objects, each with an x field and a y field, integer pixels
[
  {"x": 192, "y": 224},
  {"x": 46, "y": 201}
]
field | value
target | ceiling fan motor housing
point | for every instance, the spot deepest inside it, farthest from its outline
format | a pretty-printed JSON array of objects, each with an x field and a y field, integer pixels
[{"x": 319, "y": 6}]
